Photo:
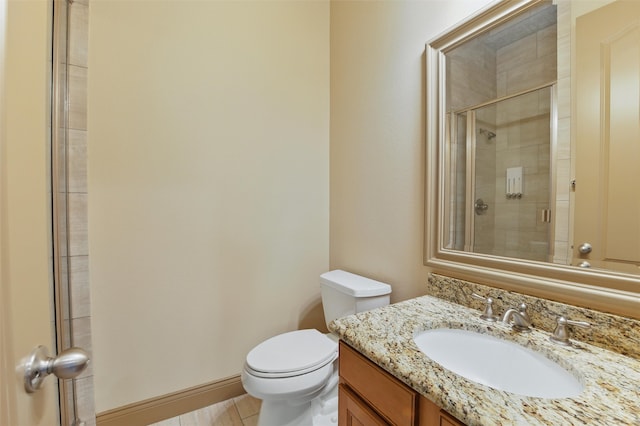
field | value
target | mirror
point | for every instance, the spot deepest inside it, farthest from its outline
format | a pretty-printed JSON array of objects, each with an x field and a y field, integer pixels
[{"x": 512, "y": 198}]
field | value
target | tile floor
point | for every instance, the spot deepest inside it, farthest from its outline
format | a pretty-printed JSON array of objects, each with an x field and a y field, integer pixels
[{"x": 239, "y": 411}]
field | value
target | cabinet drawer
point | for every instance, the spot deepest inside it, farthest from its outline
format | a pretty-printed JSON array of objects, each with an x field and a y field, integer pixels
[{"x": 386, "y": 394}]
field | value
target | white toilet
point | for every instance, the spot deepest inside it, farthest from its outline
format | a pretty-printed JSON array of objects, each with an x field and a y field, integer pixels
[{"x": 295, "y": 374}]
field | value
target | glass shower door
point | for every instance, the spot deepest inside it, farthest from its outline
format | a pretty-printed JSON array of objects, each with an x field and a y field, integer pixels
[{"x": 507, "y": 146}]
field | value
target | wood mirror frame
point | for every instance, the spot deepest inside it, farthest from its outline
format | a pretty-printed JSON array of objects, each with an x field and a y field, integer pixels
[{"x": 607, "y": 291}]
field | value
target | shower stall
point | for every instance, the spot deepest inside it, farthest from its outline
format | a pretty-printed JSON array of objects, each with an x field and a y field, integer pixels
[{"x": 501, "y": 199}]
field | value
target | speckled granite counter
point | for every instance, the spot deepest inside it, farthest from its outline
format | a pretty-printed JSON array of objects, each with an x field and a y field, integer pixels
[{"x": 611, "y": 381}]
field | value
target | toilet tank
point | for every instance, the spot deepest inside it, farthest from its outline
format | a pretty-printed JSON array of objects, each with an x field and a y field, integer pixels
[{"x": 344, "y": 293}]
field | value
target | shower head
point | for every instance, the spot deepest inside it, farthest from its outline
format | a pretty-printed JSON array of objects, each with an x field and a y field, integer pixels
[{"x": 490, "y": 134}]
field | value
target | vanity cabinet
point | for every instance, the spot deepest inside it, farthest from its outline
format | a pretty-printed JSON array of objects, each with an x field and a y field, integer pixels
[{"x": 369, "y": 396}]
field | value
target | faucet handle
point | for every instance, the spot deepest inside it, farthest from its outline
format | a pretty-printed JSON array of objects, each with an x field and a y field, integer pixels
[
  {"x": 487, "y": 315},
  {"x": 561, "y": 333}
]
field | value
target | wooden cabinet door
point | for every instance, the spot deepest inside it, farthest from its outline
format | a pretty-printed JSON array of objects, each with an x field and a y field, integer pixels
[
  {"x": 432, "y": 415},
  {"x": 353, "y": 411},
  {"x": 447, "y": 420},
  {"x": 366, "y": 390}
]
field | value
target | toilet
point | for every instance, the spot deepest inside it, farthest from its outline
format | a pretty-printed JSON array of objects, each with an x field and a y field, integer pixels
[{"x": 295, "y": 374}]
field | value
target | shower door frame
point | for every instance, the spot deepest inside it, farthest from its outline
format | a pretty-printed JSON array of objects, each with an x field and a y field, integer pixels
[{"x": 470, "y": 190}]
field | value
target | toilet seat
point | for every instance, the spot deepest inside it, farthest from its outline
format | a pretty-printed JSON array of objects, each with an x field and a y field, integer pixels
[{"x": 291, "y": 354}]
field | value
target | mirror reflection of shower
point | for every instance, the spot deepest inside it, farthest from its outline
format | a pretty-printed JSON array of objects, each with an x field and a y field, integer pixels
[
  {"x": 501, "y": 115},
  {"x": 504, "y": 194}
]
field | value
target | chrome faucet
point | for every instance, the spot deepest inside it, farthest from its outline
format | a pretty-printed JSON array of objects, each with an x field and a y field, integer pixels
[{"x": 518, "y": 318}]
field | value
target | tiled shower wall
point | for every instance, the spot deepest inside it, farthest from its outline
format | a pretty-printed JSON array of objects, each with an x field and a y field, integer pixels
[
  {"x": 523, "y": 139},
  {"x": 522, "y": 128},
  {"x": 79, "y": 312},
  {"x": 471, "y": 80}
]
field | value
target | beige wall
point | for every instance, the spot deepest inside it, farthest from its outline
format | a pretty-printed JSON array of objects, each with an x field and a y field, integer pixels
[
  {"x": 377, "y": 135},
  {"x": 208, "y": 185},
  {"x": 209, "y": 173}
]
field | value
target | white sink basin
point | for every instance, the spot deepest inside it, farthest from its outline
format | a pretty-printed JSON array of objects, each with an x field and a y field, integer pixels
[{"x": 497, "y": 363}]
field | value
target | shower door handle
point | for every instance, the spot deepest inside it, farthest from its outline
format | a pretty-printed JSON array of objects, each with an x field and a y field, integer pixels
[{"x": 67, "y": 365}]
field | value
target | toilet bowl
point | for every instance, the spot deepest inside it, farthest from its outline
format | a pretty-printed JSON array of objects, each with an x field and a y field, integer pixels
[
  {"x": 293, "y": 366},
  {"x": 295, "y": 374}
]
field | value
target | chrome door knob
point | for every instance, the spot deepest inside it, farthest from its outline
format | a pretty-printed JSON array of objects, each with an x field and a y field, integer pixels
[
  {"x": 585, "y": 248},
  {"x": 584, "y": 264},
  {"x": 67, "y": 365}
]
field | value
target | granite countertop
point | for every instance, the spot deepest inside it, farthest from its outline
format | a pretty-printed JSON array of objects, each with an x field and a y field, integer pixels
[{"x": 611, "y": 394}]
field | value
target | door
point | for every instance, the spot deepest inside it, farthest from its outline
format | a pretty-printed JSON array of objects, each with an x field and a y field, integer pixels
[
  {"x": 607, "y": 199},
  {"x": 26, "y": 320}
]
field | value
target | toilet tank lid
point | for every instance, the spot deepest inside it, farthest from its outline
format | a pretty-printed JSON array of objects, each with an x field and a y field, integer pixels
[{"x": 354, "y": 285}]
